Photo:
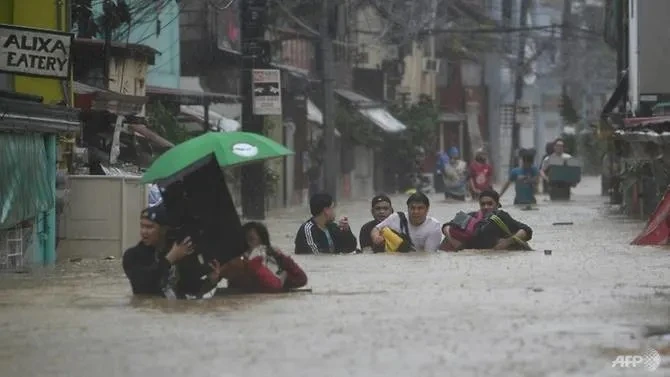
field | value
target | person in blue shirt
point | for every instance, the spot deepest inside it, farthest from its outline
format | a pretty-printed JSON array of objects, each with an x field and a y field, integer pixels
[{"x": 525, "y": 178}]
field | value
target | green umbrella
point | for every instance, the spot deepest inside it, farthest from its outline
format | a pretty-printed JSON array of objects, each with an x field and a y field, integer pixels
[{"x": 228, "y": 148}]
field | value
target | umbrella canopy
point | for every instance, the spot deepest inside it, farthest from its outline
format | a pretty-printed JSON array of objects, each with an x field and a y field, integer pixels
[{"x": 228, "y": 148}]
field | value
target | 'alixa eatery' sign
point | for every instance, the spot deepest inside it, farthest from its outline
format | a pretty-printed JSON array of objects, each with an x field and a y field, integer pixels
[{"x": 35, "y": 52}]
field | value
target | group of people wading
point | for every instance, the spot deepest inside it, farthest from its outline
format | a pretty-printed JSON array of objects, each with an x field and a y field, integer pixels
[
  {"x": 153, "y": 265},
  {"x": 389, "y": 231}
]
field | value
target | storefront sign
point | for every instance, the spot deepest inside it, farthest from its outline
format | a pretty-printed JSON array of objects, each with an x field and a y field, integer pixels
[
  {"x": 35, "y": 52},
  {"x": 267, "y": 92}
]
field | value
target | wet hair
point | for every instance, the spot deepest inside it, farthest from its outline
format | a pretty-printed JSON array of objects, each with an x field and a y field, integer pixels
[
  {"x": 493, "y": 194},
  {"x": 527, "y": 159},
  {"x": 319, "y": 202},
  {"x": 418, "y": 197},
  {"x": 260, "y": 229}
]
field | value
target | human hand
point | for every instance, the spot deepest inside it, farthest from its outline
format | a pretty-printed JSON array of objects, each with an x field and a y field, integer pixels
[
  {"x": 180, "y": 250},
  {"x": 217, "y": 270},
  {"x": 504, "y": 243},
  {"x": 377, "y": 239},
  {"x": 343, "y": 224}
]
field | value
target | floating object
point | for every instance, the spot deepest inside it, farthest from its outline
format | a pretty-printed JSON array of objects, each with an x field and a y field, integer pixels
[
  {"x": 547, "y": 252},
  {"x": 564, "y": 223}
]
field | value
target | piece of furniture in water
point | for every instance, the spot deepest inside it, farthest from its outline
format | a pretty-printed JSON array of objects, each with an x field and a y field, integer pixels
[{"x": 563, "y": 175}]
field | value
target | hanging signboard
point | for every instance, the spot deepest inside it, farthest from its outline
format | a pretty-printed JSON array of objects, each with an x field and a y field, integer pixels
[
  {"x": 35, "y": 52},
  {"x": 266, "y": 88}
]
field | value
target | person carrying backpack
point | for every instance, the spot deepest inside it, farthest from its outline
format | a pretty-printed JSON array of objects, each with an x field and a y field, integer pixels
[
  {"x": 415, "y": 231},
  {"x": 488, "y": 228}
]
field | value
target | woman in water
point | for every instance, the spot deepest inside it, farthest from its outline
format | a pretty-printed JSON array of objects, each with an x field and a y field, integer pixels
[{"x": 262, "y": 268}]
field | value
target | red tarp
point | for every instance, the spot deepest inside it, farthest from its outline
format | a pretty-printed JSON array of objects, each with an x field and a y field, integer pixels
[{"x": 657, "y": 230}]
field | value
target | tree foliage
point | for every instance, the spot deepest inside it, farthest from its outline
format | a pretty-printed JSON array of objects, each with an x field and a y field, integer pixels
[
  {"x": 420, "y": 119},
  {"x": 161, "y": 120}
]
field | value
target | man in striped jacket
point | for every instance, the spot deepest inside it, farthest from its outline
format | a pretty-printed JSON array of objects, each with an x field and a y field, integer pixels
[{"x": 321, "y": 234}]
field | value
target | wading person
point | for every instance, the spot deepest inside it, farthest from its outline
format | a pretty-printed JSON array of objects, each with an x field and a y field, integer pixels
[
  {"x": 557, "y": 189},
  {"x": 455, "y": 177},
  {"x": 149, "y": 268},
  {"x": 381, "y": 209},
  {"x": 422, "y": 231},
  {"x": 321, "y": 234},
  {"x": 262, "y": 268},
  {"x": 525, "y": 180},
  {"x": 488, "y": 228},
  {"x": 480, "y": 174}
]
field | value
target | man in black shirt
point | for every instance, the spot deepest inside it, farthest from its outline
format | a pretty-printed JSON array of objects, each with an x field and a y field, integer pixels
[
  {"x": 381, "y": 209},
  {"x": 321, "y": 234},
  {"x": 147, "y": 266}
]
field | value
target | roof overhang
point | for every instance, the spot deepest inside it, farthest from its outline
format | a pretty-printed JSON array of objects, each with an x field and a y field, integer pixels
[
  {"x": 92, "y": 98},
  {"x": 29, "y": 116},
  {"x": 189, "y": 97},
  {"x": 373, "y": 111}
]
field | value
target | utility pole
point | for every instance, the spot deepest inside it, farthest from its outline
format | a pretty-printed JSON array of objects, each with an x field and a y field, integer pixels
[
  {"x": 566, "y": 19},
  {"x": 255, "y": 55},
  {"x": 520, "y": 72},
  {"x": 331, "y": 167},
  {"x": 108, "y": 13}
]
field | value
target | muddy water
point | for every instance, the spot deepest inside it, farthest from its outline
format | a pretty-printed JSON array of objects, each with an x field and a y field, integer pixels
[{"x": 466, "y": 314}]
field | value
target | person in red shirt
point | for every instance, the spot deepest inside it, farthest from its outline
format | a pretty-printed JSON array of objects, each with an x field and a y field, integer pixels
[
  {"x": 480, "y": 175},
  {"x": 262, "y": 268}
]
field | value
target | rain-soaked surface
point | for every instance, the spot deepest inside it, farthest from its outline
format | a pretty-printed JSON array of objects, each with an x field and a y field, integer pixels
[{"x": 466, "y": 314}]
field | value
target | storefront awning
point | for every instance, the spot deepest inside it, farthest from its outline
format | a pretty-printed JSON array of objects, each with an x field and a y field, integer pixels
[
  {"x": 315, "y": 116},
  {"x": 373, "y": 111},
  {"x": 216, "y": 120},
  {"x": 314, "y": 113},
  {"x": 91, "y": 98},
  {"x": 189, "y": 97},
  {"x": 21, "y": 115}
]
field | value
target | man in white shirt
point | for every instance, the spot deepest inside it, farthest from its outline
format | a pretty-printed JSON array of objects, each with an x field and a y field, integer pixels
[
  {"x": 424, "y": 231},
  {"x": 559, "y": 156}
]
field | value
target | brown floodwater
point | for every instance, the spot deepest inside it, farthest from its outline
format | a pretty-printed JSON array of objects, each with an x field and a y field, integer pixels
[{"x": 466, "y": 314}]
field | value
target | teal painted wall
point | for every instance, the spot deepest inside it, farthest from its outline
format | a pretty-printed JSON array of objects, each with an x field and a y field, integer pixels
[{"x": 166, "y": 71}]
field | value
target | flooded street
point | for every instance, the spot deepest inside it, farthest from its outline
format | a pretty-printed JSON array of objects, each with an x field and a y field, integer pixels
[{"x": 466, "y": 314}]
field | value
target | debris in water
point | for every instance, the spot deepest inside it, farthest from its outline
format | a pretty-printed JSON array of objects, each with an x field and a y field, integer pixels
[
  {"x": 111, "y": 257},
  {"x": 547, "y": 252},
  {"x": 75, "y": 260},
  {"x": 564, "y": 223}
]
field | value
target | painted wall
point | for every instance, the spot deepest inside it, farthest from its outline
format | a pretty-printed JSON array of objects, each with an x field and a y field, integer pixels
[
  {"x": 127, "y": 76},
  {"x": 144, "y": 30},
  {"x": 166, "y": 71},
  {"x": 50, "y": 16},
  {"x": 43, "y": 14}
]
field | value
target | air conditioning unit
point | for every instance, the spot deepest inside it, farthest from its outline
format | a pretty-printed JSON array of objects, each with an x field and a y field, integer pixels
[{"x": 431, "y": 65}]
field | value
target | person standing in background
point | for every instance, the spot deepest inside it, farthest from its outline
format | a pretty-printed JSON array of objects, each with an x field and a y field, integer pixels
[
  {"x": 480, "y": 175},
  {"x": 455, "y": 173}
]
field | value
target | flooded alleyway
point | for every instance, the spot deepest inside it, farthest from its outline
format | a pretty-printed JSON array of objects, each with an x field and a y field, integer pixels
[{"x": 466, "y": 314}]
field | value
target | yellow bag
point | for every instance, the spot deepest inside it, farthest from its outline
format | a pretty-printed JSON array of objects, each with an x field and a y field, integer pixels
[{"x": 397, "y": 242}]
